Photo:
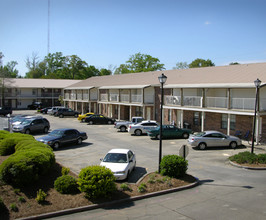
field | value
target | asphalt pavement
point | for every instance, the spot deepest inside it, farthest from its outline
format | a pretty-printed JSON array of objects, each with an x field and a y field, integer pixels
[{"x": 225, "y": 191}]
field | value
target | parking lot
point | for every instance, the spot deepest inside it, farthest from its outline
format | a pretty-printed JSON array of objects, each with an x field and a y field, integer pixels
[{"x": 102, "y": 138}]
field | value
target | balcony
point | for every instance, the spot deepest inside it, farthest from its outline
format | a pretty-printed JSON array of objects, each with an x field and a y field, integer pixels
[
  {"x": 192, "y": 101},
  {"x": 172, "y": 100},
  {"x": 124, "y": 98},
  {"x": 217, "y": 102},
  {"x": 114, "y": 98},
  {"x": 136, "y": 98},
  {"x": 104, "y": 97},
  {"x": 243, "y": 103}
]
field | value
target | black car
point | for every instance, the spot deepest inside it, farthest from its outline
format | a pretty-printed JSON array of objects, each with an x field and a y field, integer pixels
[
  {"x": 59, "y": 137},
  {"x": 62, "y": 112},
  {"x": 35, "y": 105},
  {"x": 5, "y": 110},
  {"x": 99, "y": 119},
  {"x": 44, "y": 110}
]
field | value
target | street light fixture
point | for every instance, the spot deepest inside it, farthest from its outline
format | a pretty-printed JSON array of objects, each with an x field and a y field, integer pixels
[
  {"x": 257, "y": 83},
  {"x": 162, "y": 79}
]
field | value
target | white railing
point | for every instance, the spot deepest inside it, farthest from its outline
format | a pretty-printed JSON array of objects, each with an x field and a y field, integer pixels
[
  {"x": 73, "y": 96},
  {"x": 85, "y": 96},
  {"x": 124, "y": 98},
  {"x": 104, "y": 97},
  {"x": 243, "y": 103},
  {"x": 79, "y": 96},
  {"x": 263, "y": 104},
  {"x": 217, "y": 102},
  {"x": 136, "y": 98},
  {"x": 114, "y": 97},
  {"x": 172, "y": 100},
  {"x": 67, "y": 95},
  {"x": 192, "y": 101}
]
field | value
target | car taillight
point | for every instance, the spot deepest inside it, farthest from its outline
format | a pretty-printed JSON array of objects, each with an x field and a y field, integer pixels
[{"x": 130, "y": 126}]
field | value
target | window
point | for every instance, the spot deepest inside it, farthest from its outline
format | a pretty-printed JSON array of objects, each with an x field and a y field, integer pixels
[
  {"x": 225, "y": 121},
  {"x": 196, "y": 118},
  {"x": 138, "y": 111}
]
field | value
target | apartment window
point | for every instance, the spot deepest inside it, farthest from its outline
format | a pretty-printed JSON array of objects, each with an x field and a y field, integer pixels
[
  {"x": 225, "y": 121},
  {"x": 196, "y": 118},
  {"x": 34, "y": 91},
  {"x": 138, "y": 111}
]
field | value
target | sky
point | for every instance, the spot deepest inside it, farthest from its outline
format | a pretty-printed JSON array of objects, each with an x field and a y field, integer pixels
[{"x": 105, "y": 33}]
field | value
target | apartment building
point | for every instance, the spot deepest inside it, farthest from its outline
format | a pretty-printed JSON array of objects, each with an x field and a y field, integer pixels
[
  {"x": 213, "y": 98},
  {"x": 19, "y": 92}
]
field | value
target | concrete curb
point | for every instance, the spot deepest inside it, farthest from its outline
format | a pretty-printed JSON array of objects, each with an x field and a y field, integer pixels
[
  {"x": 109, "y": 204},
  {"x": 246, "y": 167}
]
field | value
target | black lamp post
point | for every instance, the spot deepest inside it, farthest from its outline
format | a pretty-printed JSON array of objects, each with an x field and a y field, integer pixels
[
  {"x": 162, "y": 79},
  {"x": 257, "y": 83}
]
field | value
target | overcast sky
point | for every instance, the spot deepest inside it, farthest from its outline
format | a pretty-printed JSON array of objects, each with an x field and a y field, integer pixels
[{"x": 108, "y": 32}]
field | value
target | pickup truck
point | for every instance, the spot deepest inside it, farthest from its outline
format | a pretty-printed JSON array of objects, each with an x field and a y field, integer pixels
[
  {"x": 5, "y": 110},
  {"x": 123, "y": 125}
]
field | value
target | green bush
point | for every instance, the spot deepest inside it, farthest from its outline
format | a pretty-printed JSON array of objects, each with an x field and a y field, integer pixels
[
  {"x": 173, "y": 166},
  {"x": 248, "y": 157},
  {"x": 41, "y": 196},
  {"x": 25, "y": 167},
  {"x": 96, "y": 181},
  {"x": 65, "y": 170},
  {"x": 66, "y": 184},
  {"x": 3, "y": 134},
  {"x": 142, "y": 188},
  {"x": 13, "y": 207}
]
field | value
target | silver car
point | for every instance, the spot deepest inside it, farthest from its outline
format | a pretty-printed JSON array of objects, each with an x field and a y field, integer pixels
[
  {"x": 142, "y": 127},
  {"x": 205, "y": 139}
]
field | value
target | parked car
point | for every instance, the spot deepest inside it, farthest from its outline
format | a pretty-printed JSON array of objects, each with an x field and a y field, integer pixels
[
  {"x": 5, "y": 110},
  {"x": 170, "y": 131},
  {"x": 60, "y": 137},
  {"x": 31, "y": 125},
  {"x": 19, "y": 119},
  {"x": 35, "y": 105},
  {"x": 45, "y": 110},
  {"x": 53, "y": 110},
  {"x": 205, "y": 139},
  {"x": 81, "y": 118},
  {"x": 120, "y": 161},
  {"x": 62, "y": 112},
  {"x": 142, "y": 127},
  {"x": 99, "y": 119},
  {"x": 123, "y": 125}
]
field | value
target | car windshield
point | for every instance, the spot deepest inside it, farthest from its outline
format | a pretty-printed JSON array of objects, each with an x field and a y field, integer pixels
[
  {"x": 115, "y": 158},
  {"x": 56, "y": 133},
  {"x": 26, "y": 122},
  {"x": 199, "y": 134}
]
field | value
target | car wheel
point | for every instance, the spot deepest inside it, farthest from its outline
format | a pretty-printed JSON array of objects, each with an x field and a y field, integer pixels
[
  {"x": 233, "y": 145},
  {"x": 109, "y": 122},
  {"x": 76, "y": 115},
  {"x": 138, "y": 132},
  {"x": 45, "y": 130},
  {"x": 90, "y": 122},
  {"x": 79, "y": 141},
  {"x": 61, "y": 116},
  {"x": 158, "y": 136},
  {"x": 83, "y": 120},
  {"x": 185, "y": 136},
  {"x": 56, "y": 145},
  {"x": 202, "y": 146},
  {"x": 27, "y": 131},
  {"x": 123, "y": 129}
]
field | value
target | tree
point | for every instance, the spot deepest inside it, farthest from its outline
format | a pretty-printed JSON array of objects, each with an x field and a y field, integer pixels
[
  {"x": 234, "y": 63},
  {"x": 181, "y": 65},
  {"x": 140, "y": 63},
  {"x": 201, "y": 63}
]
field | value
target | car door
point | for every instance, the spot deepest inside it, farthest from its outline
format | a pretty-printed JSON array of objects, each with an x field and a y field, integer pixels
[
  {"x": 36, "y": 125},
  {"x": 218, "y": 139},
  {"x": 148, "y": 126},
  {"x": 67, "y": 137},
  {"x": 172, "y": 132}
]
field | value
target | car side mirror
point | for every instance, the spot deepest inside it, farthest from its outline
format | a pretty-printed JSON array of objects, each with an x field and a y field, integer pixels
[
  {"x": 101, "y": 159},
  {"x": 130, "y": 161}
]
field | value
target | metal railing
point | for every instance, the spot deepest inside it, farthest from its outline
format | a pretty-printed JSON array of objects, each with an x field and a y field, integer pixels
[
  {"x": 217, "y": 102},
  {"x": 243, "y": 103}
]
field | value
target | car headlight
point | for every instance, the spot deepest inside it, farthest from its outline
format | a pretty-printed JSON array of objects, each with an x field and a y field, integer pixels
[{"x": 120, "y": 172}]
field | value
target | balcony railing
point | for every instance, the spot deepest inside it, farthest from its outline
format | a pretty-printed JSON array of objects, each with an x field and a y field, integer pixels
[
  {"x": 172, "y": 100},
  {"x": 124, "y": 98},
  {"x": 136, "y": 98},
  {"x": 114, "y": 97},
  {"x": 192, "y": 101},
  {"x": 79, "y": 96},
  {"x": 36, "y": 95},
  {"x": 217, "y": 102},
  {"x": 243, "y": 103},
  {"x": 104, "y": 97}
]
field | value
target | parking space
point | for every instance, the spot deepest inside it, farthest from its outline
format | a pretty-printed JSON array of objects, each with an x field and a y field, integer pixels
[{"x": 102, "y": 138}]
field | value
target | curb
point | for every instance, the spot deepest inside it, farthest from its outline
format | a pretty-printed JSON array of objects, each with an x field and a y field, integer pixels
[
  {"x": 246, "y": 167},
  {"x": 108, "y": 204}
]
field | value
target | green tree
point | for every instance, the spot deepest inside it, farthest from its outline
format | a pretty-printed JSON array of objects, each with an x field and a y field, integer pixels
[
  {"x": 234, "y": 63},
  {"x": 140, "y": 63},
  {"x": 201, "y": 63},
  {"x": 181, "y": 65}
]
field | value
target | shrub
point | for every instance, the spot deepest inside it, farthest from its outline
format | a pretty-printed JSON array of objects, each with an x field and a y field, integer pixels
[
  {"x": 65, "y": 171},
  {"x": 41, "y": 196},
  {"x": 96, "y": 181},
  {"x": 66, "y": 184},
  {"x": 21, "y": 199},
  {"x": 142, "y": 188},
  {"x": 13, "y": 207},
  {"x": 125, "y": 187},
  {"x": 25, "y": 167},
  {"x": 262, "y": 158},
  {"x": 173, "y": 166},
  {"x": 3, "y": 134},
  {"x": 244, "y": 157}
]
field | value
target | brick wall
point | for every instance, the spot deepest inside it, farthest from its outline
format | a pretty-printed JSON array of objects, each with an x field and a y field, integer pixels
[{"x": 263, "y": 130}]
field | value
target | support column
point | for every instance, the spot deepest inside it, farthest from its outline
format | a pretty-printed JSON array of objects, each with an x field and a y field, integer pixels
[
  {"x": 119, "y": 110},
  {"x": 182, "y": 119},
  {"x": 228, "y": 124},
  {"x": 130, "y": 112},
  {"x": 202, "y": 120}
]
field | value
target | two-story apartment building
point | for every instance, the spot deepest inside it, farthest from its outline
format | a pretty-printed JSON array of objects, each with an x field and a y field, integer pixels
[
  {"x": 219, "y": 98},
  {"x": 19, "y": 92}
]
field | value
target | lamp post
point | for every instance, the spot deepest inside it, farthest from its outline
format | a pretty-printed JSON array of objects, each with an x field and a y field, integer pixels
[
  {"x": 257, "y": 83},
  {"x": 162, "y": 79}
]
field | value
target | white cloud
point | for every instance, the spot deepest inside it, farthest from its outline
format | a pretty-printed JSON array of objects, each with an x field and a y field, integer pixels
[{"x": 207, "y": 22}]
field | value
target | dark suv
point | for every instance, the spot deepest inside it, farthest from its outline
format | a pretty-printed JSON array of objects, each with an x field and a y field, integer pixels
[
  {"x": 62, "y": 112},
  {"x": 5, "y": 110},
  {"x": 32, "y": 125}
]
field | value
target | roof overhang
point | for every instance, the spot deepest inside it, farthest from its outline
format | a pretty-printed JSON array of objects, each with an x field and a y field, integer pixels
[
  {"x": 80, "y": 88},
  {"x": 212, "y": 85},
  {"x": 125, "y": 87}
]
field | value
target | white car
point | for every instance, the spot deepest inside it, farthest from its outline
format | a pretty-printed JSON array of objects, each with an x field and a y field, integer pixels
[
  {"x": 53, "y": 110},
  {"x": 205, "y": 139},
  {"x": 120, "y": 161},
  {"x": 142, "y": 127}
]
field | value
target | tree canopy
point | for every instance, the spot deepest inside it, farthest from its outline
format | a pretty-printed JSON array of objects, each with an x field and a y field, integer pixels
[
  {"x": 140, "y": 63},
  {"x": 9, "y": 70},
  {"x": 200, "y": 63}
]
